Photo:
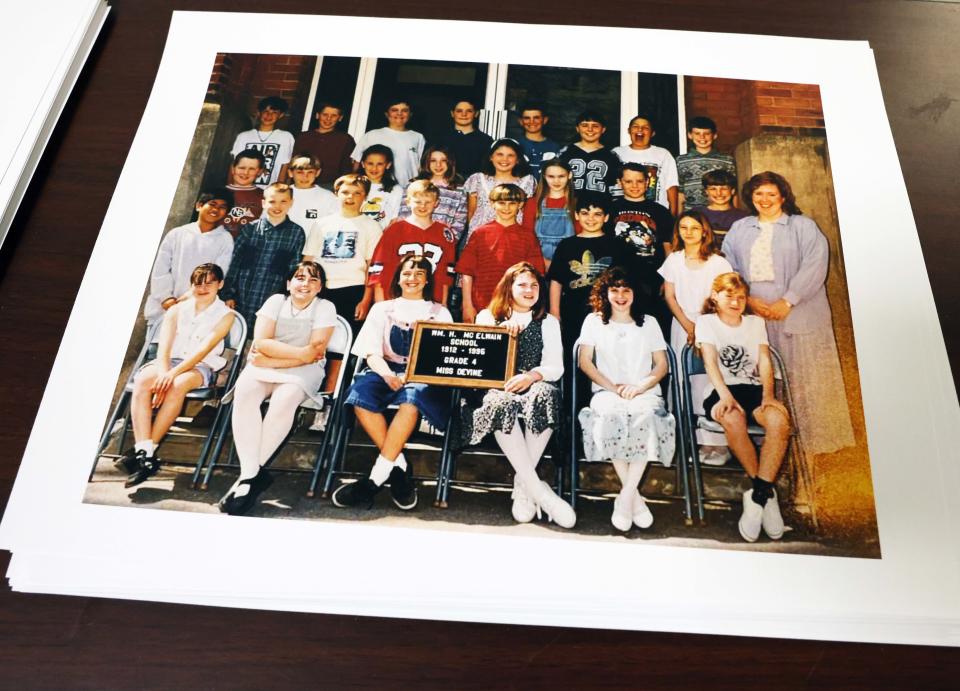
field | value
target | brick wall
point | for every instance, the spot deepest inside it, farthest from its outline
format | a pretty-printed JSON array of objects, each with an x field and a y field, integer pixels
[
  {"x": 743, "y": 109},
  {"x": 788, "y": 108},
  {"x": 241, "y": 80}
]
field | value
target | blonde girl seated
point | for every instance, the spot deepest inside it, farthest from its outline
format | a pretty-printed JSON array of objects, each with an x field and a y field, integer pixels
[
  {"x": 519, "y": 303},
  {"x": 623, "y": 353},
  {"x": 286, "y": 364},
  {"x": 741, "y": 391},
  {"x": 188, "y": 357}
]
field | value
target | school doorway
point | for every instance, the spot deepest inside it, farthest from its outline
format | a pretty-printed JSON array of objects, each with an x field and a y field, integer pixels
[{"x": 363, "y": 86}]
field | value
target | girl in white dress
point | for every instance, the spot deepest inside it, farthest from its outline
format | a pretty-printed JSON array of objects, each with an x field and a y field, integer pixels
[
  {"x": 623, "y": 353},
  {"x": 188, "y": 357},
  {"x": 286, "y": 364},
  {"x": 688, "y": 273}
]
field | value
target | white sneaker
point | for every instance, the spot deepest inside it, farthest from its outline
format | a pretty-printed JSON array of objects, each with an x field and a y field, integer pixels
[
  {"x": 557, "y": 510},
  {"x": 523, "y": 508},
  {"x": 752, "y": 518},
  {"x": 772, "y": 520},
  {"x": 622, "y": 517},
  {"x": 642, "y": 517},
  {"x": 716, "y": 456}
]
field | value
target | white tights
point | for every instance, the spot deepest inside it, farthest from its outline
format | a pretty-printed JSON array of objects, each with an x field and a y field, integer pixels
[
  {"x": 256, "y": 437},
  {"x": 523, "y": 450},
  {"x": 630, "y": 474}
]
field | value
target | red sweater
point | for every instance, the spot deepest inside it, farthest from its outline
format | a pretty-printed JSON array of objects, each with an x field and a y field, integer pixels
[
  {"x": 436, "y": 243},
  {"x": 492, "y": 250}
]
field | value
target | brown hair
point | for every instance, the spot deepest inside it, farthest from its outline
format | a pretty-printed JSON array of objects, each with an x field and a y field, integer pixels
[
  {"x": 501, "y": 304},
  {"x": 353, "y": 179},
  {"x": 770, "y": 178},
  {"x": 204, "y": 271},
  {"x": 419, "y": 262},
  {"x": 725, "y": 283},
  {"x": 600, "y": 301},
  {"x": 708, "y": 245}
]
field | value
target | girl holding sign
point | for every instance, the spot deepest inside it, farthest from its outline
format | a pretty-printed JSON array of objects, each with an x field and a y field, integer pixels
[
  {"x": 519, "y": 303},
  {"x": 384, "y": 341}
]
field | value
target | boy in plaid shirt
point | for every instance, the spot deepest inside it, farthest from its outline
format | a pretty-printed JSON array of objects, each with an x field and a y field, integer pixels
[{"x": 265, "y": 253}]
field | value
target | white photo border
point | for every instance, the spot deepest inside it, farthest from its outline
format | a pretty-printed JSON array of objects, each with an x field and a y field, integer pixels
[{"x": 910, "y": 595}]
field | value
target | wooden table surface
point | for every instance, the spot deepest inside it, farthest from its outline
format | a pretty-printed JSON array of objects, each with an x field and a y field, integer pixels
[{"x": 64, "y": 642}]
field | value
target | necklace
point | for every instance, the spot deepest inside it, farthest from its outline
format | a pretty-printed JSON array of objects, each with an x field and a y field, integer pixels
[{"x": 264, "y": 139}]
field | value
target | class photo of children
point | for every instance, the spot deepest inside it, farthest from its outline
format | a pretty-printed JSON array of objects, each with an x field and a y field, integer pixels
[{"x": 663, "y": 252}]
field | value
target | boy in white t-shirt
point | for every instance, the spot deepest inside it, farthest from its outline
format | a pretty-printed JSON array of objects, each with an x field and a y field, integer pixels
[
  {"x": 310, "y": 201},
  {"x": 275, "y": 145},
  {"x": 343, "y": 244},
  {"x": 663, "y": 183},
  {"x": 407, "y": 145}
]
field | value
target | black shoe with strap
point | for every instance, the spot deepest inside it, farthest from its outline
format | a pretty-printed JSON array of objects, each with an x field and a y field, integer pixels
[
  {"x": 233, "y": 505},
  {"x": 147, "y": 466}
]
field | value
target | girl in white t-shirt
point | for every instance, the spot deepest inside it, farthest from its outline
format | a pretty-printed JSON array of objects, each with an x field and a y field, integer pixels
[
  {"x": 741, "y": 391},
  {"x": 688, "y": 273},
  {"x": 188, "y": 357},
  {"x": 623, "y": 353},
  {"x": 383, "y": 201},
  {"x": 310, "y": 201},
  {"x": 384, "y": 343},
  {"x": 286, "y": 364}
]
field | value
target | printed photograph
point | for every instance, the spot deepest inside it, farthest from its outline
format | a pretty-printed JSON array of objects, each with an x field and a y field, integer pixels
[{"x": 664, "y": 250}]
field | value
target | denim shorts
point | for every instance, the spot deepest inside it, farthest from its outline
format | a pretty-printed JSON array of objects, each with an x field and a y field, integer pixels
[
  {"x": 205, "y": 370},
  {"x": 370, "y": 392}
]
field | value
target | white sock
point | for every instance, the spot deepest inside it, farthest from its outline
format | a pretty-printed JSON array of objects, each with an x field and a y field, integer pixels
[
  {"x": 381, "y": 470},
  {"x": 401, "y": 462},
  {"x": 148, "y": 447}
]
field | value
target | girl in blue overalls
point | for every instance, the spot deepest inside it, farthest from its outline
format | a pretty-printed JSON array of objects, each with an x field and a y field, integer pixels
[
  {"x": 384, "y": 341},
  {"x": 555, "y": 207}
]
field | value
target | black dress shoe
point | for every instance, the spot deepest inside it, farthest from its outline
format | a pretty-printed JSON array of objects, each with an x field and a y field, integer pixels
[
  {"x": 147, "y": 466},
  {"x": 128, "y": 461},
  {"x": 403, "y": 488},
  {"x": 238, "y": 506}
]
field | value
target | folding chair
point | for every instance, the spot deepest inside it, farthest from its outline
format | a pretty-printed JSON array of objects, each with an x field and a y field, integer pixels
[
  {"x": 671, "y": 386},
  {"x": 797, "y": 462},
  {"x": 338, "y": 350},
  {"x": 446, "y": 473},
  {"x": 233, "y": 344},
  {"x": 337, "y": 451}
]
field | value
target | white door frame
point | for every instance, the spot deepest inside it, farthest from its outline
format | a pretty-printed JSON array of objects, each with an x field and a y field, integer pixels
[{"x": 493, "y": 114}]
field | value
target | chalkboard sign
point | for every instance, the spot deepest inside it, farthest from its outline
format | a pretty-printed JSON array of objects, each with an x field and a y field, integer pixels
[{"x": 461, "y": 355}]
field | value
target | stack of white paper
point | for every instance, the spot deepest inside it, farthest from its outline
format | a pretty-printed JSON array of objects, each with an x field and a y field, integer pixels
[
  {"x": 909, "y": 592},
  {"x": 58, "y": 36}
]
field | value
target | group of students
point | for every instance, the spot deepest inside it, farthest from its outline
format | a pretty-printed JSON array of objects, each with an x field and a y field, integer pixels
[{"x": 576, "y": 255}]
